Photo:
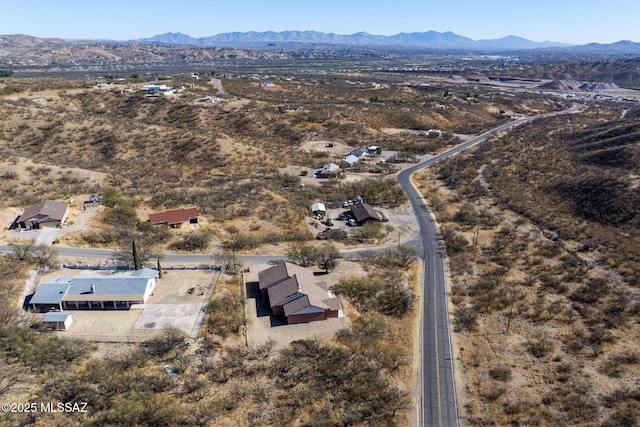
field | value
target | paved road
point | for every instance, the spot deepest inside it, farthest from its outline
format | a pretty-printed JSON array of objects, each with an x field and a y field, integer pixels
[
  {"x": 107, "y": 254},
  {"x": 439, "y": 407},
  {"x": 438, "y": 401}
]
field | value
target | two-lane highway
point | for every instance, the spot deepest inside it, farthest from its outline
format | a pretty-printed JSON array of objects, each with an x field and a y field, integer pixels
[
  {"x": 438, "y": 400},
  {"x": 438, "y": 406}
]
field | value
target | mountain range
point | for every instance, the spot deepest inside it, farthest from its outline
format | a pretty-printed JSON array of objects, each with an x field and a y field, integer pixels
[{"x": 429, "y": 40}]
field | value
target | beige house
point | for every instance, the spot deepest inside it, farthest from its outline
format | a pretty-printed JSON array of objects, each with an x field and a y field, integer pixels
[{"x": 44, "y": 214}]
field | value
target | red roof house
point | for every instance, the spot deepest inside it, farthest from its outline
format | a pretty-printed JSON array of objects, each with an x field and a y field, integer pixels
[
  {"x": 293, "y": 292},
  {"x": 175, "y": 218}
]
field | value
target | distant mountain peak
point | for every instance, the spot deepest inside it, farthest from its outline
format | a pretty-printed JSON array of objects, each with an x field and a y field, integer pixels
[{"x": 429, "y": 39}]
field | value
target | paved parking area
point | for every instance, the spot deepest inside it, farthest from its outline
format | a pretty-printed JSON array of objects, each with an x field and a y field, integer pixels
[{"x": 157, "y": 316}]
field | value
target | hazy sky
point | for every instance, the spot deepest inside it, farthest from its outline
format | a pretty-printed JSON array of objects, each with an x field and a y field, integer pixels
[{"x": 568, "y": 21}]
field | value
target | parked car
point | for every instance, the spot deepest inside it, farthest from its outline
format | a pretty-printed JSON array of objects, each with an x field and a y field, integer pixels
[{"x": 304, "y": 172}]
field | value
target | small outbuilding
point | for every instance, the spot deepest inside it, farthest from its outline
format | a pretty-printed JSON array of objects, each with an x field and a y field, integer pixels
[
  {"x": 57, "y": 320},
  {"x": 175, "y": 218},
  {"x": 318, "y": 209}
]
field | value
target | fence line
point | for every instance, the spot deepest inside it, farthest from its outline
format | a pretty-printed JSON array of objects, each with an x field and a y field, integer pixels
[
  {"x": 197, "y": 326},
  {"x": 132, "y": 339},
  {"x": 130, "y": 267}
]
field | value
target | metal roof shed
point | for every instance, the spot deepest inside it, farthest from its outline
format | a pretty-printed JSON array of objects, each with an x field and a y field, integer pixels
[{"x": 58, "y": 320}]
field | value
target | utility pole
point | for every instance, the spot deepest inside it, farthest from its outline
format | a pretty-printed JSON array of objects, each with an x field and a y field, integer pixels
[
  {"x": 233, "y": 253},
  {"x": 475, "y": 235},
  {"x": 455, "y": 168}
]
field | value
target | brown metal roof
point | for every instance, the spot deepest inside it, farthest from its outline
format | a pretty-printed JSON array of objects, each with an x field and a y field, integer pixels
[
  {"x": 279, "y": 272},
  {"x": 283, "y": 290},
  {"x": 363, "y": 212},
  {"x": 333, "y": 303},
  {"x": 176, "y": 216},
  {"x": 46, "y": 210},
  {"x": 295, "y": 289}
]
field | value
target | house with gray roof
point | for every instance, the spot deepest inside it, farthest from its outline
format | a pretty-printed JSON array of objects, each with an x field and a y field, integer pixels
[
  {"x": 116, "y": 291},
  {"x": 351, "y": 159},
  {"x": 330, "y": 170},
  {"x": 45, "y": 213},
  {"x": 358, "y": 152},
  {"x": 293, "y": 292}
]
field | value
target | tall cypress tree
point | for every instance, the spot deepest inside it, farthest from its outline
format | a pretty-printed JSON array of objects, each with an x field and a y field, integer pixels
[{"x": 136, "y": 257}]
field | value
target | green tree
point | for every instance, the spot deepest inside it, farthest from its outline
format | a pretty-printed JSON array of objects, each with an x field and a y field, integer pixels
[
  {"x": 121, "y": 216},
  {"x": 328, "y": 257},
  {"x": 370, "y": 231},
  {"x": 395, "y": 300},
  {"x": 111, "y": 197},
  {"x": 136, "y": 256},
  {"x": 303, "y": 254},
  {"x": 125, "y": 255}
]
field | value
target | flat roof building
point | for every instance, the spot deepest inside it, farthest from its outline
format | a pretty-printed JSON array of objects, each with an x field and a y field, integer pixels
[{"x": 115, "y": 292}]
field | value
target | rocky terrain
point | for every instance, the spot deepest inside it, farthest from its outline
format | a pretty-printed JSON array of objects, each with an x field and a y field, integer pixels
[{"x": 20, "y": 52}]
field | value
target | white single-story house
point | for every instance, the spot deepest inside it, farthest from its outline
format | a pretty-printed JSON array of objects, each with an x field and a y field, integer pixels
[
  {"x": 116, "y": 291},
  {"x": 288, "y": 108},
  {"x": 159, "y": 89}
]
